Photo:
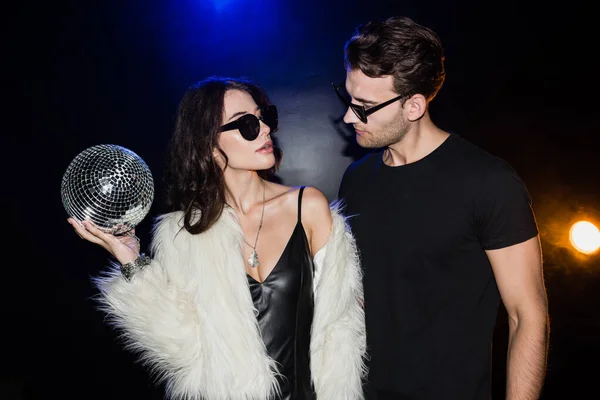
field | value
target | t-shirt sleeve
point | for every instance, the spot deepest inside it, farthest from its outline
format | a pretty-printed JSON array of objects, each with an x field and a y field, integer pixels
[
  {"x": 345, "y": 183},
  {"x": 503, "y": 209},
  {"x": 342, "y": 189}
]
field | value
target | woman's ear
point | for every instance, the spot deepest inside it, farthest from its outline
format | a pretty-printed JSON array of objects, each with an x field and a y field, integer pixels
[{"x": 219, "y": 157}]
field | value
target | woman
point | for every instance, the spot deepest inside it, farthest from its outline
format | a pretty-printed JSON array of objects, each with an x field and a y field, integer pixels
[{"x": 254, "y": 289}]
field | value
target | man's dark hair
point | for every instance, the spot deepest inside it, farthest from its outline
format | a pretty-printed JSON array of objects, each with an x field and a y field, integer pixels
[{"x": 399, "y": 47}]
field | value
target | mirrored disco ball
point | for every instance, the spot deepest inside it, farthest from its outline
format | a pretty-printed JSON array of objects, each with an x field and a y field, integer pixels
[{"x": 109, "y": 185}]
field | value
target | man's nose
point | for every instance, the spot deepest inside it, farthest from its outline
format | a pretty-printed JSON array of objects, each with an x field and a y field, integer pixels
[{"x": 350, "y": 117}]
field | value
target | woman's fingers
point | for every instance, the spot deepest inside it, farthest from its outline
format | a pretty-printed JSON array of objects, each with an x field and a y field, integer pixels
[
  {"x": 80, "y": 230},
  {"x": 87, "y": 232},
  {"x": 93, "y": 229},
  {"x": 125, "y": 247}
]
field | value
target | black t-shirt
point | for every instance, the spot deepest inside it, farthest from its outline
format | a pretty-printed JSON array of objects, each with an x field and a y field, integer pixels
[{"x": 431, "y": 299}]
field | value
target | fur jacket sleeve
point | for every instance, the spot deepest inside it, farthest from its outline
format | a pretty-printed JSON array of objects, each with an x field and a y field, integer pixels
[{"x": 190, "y": 315}]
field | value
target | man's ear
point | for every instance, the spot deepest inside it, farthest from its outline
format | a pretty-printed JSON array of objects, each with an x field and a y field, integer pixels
[{"x": 415, "y": 107}]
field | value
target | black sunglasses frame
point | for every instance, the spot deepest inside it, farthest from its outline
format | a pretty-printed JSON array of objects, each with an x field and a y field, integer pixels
[
  {"x": 249, "y": 124},
  {"x": 358, "y": 110}
]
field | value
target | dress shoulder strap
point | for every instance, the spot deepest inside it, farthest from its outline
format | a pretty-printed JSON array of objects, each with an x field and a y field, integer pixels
[{"x": 300, "y": 203}]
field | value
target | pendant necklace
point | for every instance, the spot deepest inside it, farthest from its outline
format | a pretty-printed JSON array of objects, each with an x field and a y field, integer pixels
[{"x": 253, "y": 259}]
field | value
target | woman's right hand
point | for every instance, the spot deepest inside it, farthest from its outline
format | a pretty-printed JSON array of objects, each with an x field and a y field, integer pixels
[{"x": 124, "y": 248}]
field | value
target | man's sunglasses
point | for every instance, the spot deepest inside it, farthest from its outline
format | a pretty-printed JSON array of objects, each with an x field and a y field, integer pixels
[
  {"x": 249, "y": 124},
  {"x": 360, "y": 111}
]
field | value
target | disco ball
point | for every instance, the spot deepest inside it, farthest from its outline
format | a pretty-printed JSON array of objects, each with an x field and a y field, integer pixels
[{"x": 108, "y": 185}]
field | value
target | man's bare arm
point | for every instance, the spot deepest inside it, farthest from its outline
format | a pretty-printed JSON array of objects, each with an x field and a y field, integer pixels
[{"x": 519, "y": 275}]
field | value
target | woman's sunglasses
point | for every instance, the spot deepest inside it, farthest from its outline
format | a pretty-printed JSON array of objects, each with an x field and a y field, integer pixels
[{"x": 249, "y": 124}]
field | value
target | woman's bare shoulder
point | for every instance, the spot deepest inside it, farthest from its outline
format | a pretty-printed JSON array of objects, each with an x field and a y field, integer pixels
[{"x": 312, "y": 197}]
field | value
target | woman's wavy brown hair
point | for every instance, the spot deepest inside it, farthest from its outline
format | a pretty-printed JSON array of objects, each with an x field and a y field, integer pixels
[{"x": 193, "y": 180}]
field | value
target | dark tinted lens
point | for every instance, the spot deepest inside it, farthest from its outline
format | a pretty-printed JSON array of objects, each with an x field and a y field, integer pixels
[
  {"x": 359, "y": 112},
  {"x": 249, "y": 127},
  {"x": 270, "y": 117}
]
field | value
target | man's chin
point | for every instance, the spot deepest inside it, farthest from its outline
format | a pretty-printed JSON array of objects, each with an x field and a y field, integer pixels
[{"x": 363, "y": 142}]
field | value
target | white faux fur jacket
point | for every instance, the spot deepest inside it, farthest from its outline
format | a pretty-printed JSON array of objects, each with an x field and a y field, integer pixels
[{"x": 190, "y": 315}]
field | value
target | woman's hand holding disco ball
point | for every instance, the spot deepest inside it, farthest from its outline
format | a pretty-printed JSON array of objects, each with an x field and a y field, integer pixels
[
  {"x": 125, "y": 248},
  {"x": 110, "y": 189}
]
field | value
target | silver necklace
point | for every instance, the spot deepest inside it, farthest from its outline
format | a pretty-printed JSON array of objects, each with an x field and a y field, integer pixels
[{"x": 253, "y": 259}]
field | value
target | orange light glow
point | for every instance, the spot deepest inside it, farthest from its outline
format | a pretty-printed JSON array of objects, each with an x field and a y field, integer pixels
[{"x": 585, "y": 237}]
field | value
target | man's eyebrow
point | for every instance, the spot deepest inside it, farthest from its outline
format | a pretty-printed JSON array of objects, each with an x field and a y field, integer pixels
[{"x": 365, "y": 101}]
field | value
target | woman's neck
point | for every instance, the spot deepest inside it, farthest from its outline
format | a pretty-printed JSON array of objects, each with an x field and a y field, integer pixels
[{"x": 244, "y": 190}]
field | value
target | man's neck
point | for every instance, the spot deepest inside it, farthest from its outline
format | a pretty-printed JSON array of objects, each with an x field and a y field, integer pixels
[{"x": 419, "y": 142}]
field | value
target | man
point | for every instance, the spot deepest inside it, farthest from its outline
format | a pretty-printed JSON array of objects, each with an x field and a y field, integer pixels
[{"x": 445, "y": 231}]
